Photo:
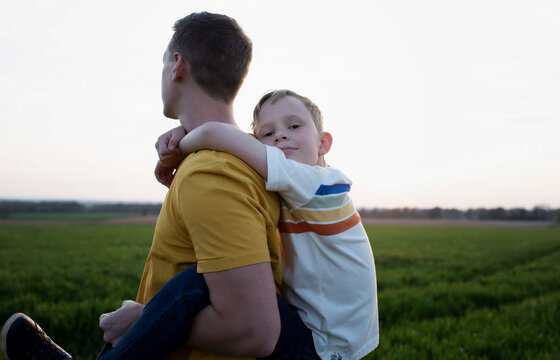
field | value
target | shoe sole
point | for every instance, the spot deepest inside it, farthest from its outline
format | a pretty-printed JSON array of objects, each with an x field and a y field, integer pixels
[{"x": 5, "y": 329}]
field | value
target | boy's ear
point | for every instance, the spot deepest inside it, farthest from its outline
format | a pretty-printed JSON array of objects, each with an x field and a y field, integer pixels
[
  {"x": 326, "y": 143},
  {"x": 181, "y": 67}
]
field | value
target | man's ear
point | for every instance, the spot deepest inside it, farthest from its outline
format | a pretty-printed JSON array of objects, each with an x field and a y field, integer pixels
[
  {"x": 181, "y": 67},
  {"x": 326, "y": 143}
]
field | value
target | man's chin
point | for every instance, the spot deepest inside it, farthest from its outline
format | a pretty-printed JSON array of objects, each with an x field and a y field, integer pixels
[{"x": 170, "y": 115}]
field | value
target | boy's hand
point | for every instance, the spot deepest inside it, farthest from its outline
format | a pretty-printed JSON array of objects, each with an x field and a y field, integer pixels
[
  {"x": 164, "y": 174},
  {"x": 117, "y": 323},
  {"x": 170, "y": 156}
]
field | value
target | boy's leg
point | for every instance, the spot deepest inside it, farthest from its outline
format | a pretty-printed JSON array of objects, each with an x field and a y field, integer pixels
[
  {"x": 296, "y": 340},
  {"x": 165, "y": 321}
]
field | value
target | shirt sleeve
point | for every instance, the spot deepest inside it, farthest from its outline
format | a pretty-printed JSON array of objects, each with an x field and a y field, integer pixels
[
  {"x": 297, "y": 183},
  {"x": 223, "y": 206}
]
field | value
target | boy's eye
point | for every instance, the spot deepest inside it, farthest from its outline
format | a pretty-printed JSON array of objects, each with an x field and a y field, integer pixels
[
  {"x": 267, "y": 134},
  {"x": 295, "y": 126}
]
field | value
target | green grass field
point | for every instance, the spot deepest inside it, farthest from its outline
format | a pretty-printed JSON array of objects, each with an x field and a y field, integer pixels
[{"x": 444, "y": 292}]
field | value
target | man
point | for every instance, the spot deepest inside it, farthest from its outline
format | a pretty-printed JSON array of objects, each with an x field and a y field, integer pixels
[{"x": 217, "y": 214}]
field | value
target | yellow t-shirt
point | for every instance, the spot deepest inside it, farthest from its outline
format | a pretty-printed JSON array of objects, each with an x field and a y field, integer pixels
[{"x": 217, "y": 215}]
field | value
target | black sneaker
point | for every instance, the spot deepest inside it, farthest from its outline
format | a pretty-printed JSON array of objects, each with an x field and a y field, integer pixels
[{"x": 23, "y": 339}]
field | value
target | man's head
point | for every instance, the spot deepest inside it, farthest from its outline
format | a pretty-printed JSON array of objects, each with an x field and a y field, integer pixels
[
  {"x": 294, "y": 124},
  {"x": 217, "y": 51}
]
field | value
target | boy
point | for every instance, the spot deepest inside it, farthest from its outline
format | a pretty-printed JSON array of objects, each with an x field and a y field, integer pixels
[{"x": 328, "y": 269}]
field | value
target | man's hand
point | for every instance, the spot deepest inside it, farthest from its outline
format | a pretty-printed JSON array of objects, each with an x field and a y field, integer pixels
[
  {"x": 170, "y": 156},
  {"x": 117, "y": 323}
]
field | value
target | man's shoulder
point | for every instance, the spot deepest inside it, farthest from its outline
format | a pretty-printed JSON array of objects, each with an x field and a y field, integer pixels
[{"x": 216, "y": 163}]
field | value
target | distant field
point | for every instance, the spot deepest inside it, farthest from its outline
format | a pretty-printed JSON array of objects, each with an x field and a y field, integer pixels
[{"x": 444, "y": 292}]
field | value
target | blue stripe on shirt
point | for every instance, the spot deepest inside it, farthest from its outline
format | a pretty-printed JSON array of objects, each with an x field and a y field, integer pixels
[{"x": 332, "y": 189}]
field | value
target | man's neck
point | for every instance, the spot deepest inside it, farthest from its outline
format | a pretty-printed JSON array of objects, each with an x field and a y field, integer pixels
[{"x": 206, "y": 110}]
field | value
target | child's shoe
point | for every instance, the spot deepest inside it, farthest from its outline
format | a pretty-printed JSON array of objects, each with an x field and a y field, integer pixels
[{"x": 23, "y": 339}]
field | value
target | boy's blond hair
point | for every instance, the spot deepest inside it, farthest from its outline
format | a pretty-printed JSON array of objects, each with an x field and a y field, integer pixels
[{"x": 275, "y": 95}]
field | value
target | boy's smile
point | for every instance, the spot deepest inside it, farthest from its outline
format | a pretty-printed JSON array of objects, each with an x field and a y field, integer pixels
[{"x": 288, "y": 125}]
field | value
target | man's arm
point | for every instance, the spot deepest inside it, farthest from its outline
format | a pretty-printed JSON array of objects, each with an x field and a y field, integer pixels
[
  {"x": 226, "y": 327},
  {"x": 243, "y": 318},
  {"x": 225, "y": 208},
  {"x": 227, "y": 138}
]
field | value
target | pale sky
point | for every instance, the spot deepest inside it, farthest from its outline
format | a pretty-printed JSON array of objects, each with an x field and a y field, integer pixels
[{"x": 431, "y": 103}]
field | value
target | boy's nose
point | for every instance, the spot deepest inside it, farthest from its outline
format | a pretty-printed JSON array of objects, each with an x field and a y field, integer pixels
[{"x": 280, "y": 137}]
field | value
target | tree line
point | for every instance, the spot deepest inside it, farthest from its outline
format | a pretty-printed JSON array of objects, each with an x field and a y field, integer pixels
[
  {"x": 538, "y": 213},
  {"x": 8, "y": 207}
]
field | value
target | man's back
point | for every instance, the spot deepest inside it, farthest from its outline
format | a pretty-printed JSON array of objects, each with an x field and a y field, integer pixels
[{"x": 217, "y": 215}]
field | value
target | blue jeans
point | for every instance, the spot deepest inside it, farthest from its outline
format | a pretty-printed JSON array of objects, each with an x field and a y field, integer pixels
[{"x": 166, "y": 320}]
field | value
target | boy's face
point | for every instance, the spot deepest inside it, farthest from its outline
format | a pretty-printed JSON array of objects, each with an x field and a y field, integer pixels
[{"x": 288, "y": 125}]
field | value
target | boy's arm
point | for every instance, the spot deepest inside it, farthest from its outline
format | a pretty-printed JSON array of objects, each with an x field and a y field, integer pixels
[{"x": 227, "y": 138}]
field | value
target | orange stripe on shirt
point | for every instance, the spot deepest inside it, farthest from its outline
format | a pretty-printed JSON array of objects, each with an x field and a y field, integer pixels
[{"x": 321, "y": 229}]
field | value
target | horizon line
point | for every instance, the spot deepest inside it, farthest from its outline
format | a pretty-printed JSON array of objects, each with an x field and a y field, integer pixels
[{"x": 150, "y": 202}]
